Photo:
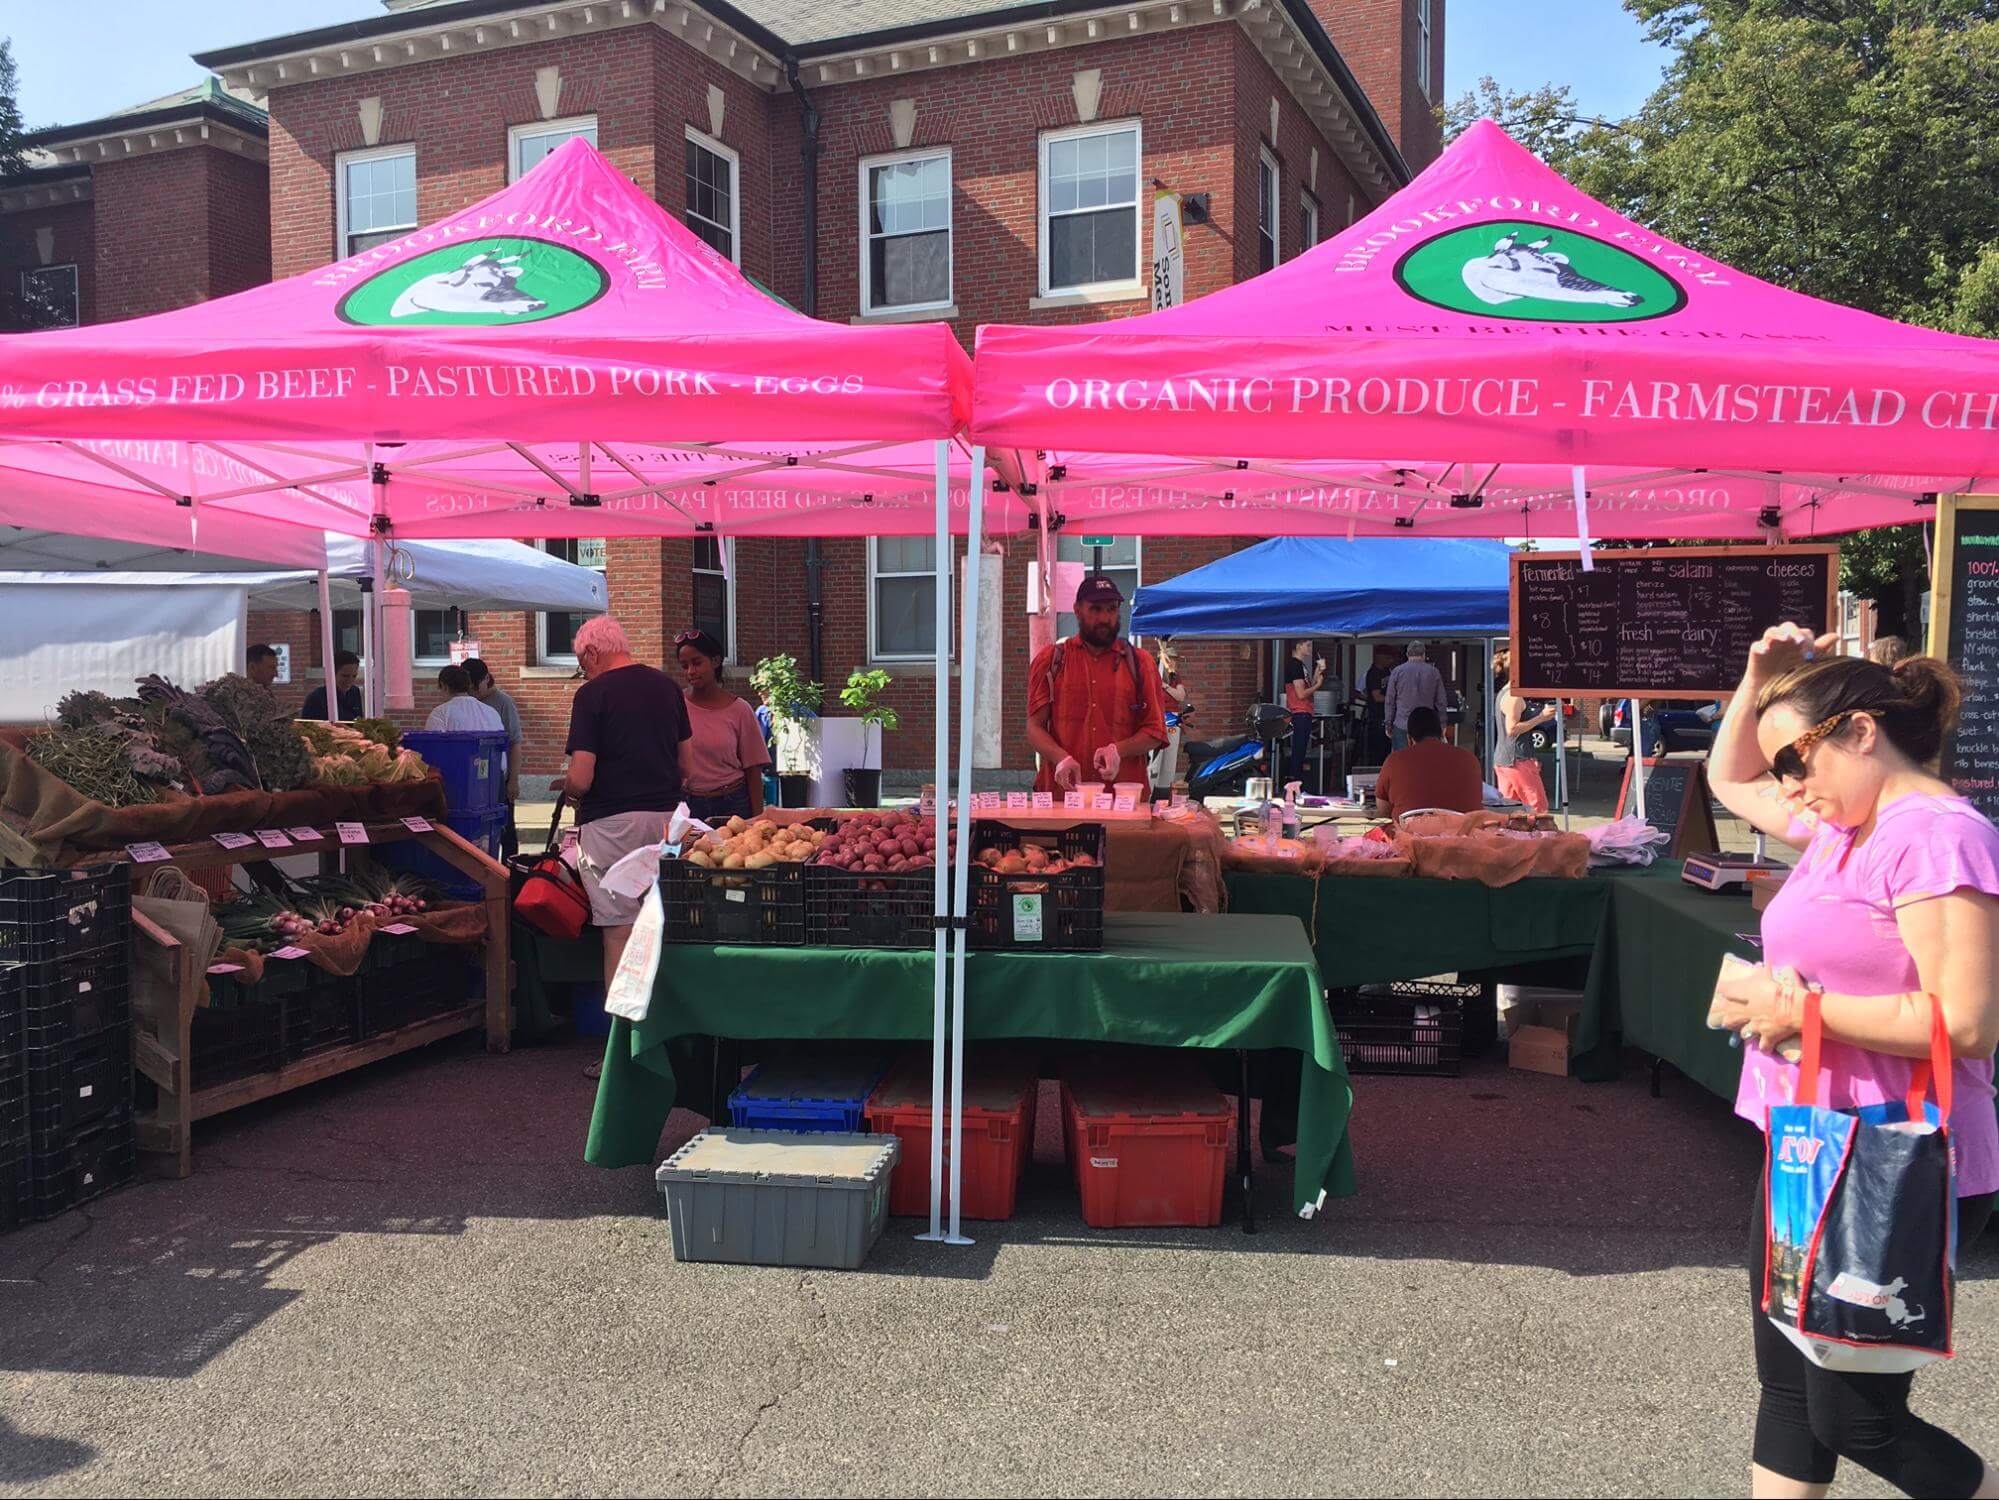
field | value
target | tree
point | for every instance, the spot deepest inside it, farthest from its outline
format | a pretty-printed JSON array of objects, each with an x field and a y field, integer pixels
[
  {"x": 1842, "y": 148},
  {"x": 20, "y": 306}
]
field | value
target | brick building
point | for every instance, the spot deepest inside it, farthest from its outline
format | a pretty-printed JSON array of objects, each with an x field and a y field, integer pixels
[{"x": 889, "y": 160}]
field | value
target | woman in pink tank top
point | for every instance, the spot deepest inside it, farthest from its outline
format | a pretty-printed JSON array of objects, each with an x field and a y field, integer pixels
[{"x": 1895, "y": 899}]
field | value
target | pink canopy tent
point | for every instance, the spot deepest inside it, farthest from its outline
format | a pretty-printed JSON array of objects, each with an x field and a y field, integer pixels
[
  {"x": 562, "y": 359},
  {"x": 1473, "y": 357}
]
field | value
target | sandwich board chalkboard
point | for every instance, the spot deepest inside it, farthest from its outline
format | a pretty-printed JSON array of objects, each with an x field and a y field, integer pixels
[
  {"x": 1671, "y": 622},
  {"x": 1964, "y": 630},
  {"x": 1677, "y": 802}
]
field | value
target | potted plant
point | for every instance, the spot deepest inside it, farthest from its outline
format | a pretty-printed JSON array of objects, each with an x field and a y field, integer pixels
[
  {"x": 793, "y": 700},
  {"x": 862, "y": 694}
]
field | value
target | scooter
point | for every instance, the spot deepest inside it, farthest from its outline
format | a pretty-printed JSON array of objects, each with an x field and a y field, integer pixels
[{"x": 1222, "y": 768}]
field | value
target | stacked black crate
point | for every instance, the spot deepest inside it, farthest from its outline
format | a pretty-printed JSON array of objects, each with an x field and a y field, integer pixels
[
  {"x": 69, "y": 932},
  {"x": 14, "y": 1181}
]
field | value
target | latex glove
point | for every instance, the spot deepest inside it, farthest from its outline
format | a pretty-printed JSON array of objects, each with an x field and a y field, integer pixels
[
  {"x": 1068, "y": 774},
  {"x": 1107, "y": 760}
]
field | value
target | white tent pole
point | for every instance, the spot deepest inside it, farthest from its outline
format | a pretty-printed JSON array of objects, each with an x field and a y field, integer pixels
[
  {"x": 941, "y": 774},
  {"x": 326, "y": 648},
  {"x": 1562, "y": 762},
  {"x": 378, "y": 557},
  {"x": 967, "y": 707},
  {"x": 1638, "y": 753},
  {"x": 1489, "y": 714}
]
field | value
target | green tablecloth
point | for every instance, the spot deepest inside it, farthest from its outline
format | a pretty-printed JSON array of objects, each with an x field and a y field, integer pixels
[
  {"x": 1653, "y": 975},
  {"x": 1162, "y": 981}
]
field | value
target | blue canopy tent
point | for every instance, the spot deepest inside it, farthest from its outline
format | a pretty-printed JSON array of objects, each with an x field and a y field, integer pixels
[{"x": 1318, "y": 587}]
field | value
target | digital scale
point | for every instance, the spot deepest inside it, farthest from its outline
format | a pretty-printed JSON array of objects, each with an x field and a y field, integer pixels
[{"x": 1722, "y": 872}]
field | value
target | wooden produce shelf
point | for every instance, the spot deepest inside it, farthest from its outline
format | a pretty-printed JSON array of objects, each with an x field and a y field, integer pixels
[{"x": 167, "y": 987}]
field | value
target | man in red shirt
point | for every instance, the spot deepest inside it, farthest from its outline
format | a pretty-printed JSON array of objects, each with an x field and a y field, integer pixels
[
  {"x": 1427, "y": 772},
  {"x": 1095, "y": 709}
]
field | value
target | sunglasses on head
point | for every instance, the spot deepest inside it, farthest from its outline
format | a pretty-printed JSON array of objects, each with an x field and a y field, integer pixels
[
  {"x": 1788, "y": 764},
  {"x": 688, "y": 638}
]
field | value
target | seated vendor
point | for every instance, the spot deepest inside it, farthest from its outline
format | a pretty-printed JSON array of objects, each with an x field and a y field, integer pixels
[
  {"x": 1095, "y": 703},
  {"x": 1427, "y": 772}
]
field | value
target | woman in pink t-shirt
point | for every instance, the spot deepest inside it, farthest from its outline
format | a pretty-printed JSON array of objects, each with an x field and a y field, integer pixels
[
  {"x": 1895, "y": 898},
  {"x": 726, "y": 779}
]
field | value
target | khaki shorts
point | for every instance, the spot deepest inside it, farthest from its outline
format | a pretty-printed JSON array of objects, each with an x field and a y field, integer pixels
[{"x": 605, "y": 841}]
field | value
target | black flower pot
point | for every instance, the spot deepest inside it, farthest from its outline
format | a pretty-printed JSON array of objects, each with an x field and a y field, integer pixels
[
  {"x": 864, "y": 788},
  {"x": 794, "y": 791}
]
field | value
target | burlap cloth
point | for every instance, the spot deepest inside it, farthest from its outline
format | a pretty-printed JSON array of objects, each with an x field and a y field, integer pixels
[
  {"x": 66, "y": 825},
  {"x": 455, "y": 924}
]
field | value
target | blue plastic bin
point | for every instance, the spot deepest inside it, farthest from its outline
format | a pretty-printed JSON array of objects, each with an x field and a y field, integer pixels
[
  {"x": 813, "y": 1094},
  {"x": 482, "y": 828},
  {"x": 473, "y": 763}
]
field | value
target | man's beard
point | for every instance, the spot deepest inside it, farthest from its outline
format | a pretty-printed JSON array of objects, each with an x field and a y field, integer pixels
[{"x": 1100, "y": 636}]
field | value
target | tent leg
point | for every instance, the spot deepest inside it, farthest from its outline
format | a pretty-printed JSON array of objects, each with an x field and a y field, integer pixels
[
  {"x": 1489, "y": 713},
  {"x": 326, "y": 648},
  {"x": 1562, "y": 763},
  {"x": 941, "y": 774},
  {"x": 378, "y": 554},
  {"x": 1638, "y": 754},
  {"x": 967, "y": 708}
]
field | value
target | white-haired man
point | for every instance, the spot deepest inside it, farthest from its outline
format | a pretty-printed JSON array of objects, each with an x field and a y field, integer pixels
[
  {"x": 628, "y": 760},
  {"x": 1413, "y": 685}
]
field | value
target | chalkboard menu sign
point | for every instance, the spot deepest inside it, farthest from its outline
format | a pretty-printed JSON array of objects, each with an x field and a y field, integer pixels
[
  {"x": 1964, "y": 629},
  {"x": 1677, "y": 622},
  {"x": 1678, "y": 802}
]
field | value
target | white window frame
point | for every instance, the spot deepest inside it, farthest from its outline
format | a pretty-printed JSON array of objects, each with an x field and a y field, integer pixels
[
  {"x": 1308, "y": 213},
  {"x": 75, "y": 289},
  {"x": 727, "y": 573},
  {"x": 894, "y": 158},
  {"x": 1423, "y": 47},
  {"x": 1135, "y": 284},
  {"x": 875, "y": 653},
  {"x": 709, "y": 143},
  {"x": 1266, "y": 161},
  {"x": 341, "y": 163},
  {"x": 433, "y": 661},
  {"x": 542, "y": 655},
  {"x": 1137, "y": 569},
  {"x": 568, "y": 125}
]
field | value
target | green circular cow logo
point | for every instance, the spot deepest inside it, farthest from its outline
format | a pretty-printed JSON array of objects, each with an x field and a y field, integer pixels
[
  {"x": 1537, "y": 274},
  {"x": 478, "y": 284}
]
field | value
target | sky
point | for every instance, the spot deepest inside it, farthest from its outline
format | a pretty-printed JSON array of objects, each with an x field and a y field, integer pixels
[{"x": 128, "y": 51}]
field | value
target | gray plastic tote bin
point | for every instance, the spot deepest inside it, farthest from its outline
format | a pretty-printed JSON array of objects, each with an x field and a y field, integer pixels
[{"x": 778, "y": 1197}]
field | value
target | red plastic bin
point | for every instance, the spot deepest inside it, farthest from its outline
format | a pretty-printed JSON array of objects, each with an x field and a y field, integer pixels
[
  {"x": 1148, "y": 1145},
  {"x": 998, "y": 1138}
]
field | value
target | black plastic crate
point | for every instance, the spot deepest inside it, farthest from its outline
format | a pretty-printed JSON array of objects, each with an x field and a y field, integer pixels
[
  {"x": 322, "y": 1016},
  {"x": 763, "y": 907},
  {"x": 1069, "y": 916},
  {"x": 76, "y": 997},
  {"x": 238, "y": 1040},
  {"x": 880, "y": 910},
  {"x": 435, "y": 984},
  {"x": 1409, "y": 1029},
  {"x": 16, "y": 1201},
  {"x": 85, "y": 1165},
  {"x": 47, "y": 915},
  {"x": 73, "y": 1086},
  {"x": 392, "y": 950}
]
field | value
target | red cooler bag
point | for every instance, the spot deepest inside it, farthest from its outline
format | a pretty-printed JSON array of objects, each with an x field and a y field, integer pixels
[{"x": 549, "y": 895}]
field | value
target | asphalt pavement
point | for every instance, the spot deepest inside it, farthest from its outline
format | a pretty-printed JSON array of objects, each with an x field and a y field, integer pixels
[{"x": 406, "y": 1281}]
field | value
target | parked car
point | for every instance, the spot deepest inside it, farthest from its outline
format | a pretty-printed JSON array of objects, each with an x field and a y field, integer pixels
[{"x": 1682, "y": 731}]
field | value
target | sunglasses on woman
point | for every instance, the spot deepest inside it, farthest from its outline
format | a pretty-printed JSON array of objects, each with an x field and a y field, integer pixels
[{"x": 1788, "y": 764}]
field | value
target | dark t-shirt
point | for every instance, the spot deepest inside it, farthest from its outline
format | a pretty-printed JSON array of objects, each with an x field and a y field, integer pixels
[
  {"x": 315, "y": 704},
  {"x": 633, "y": 720},
  {"x": 1376, "y": 682}
]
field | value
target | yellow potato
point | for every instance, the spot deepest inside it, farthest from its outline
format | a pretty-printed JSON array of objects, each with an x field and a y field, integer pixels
[
  {"x": 732, "y": 862},
  {"x": 700, "y": 859},
  {"x": 759, "y": 861}
]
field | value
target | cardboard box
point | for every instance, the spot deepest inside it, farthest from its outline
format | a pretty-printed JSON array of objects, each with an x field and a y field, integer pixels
[
  {"x": 1763, "y": 888},
  {"x": 1539, "y": 1037}
]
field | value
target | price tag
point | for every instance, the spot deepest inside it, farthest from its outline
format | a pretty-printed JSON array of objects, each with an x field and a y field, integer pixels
[
  {"x": 397, "y": 929},
  {"x": 1044, "y": 801},
  {"x": 1125, "y": 803},
  {"x": 225, "y": 968},
  {"x": 1104, "y": 802},
  {"x": 290, "y": 952},
  {"x": 417, "y": 825},
  {"x": 352, "y": 833},
  {"x": 305, "y": 835},
  {"x": 272, "y": 838},
  {"x": 147, "y": 854},
  {"x": 234, "y": 840},
  {"x": 1075, "y": 801},
  {"x": 1016, "y": 802},
  {"x": 986, "y": 801}
]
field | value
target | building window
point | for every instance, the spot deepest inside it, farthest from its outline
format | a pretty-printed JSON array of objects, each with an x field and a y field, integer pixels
[
  {"x": 714, "y": 600},
  {"x": 1120, "y": 564},
  {"x": 906, "y": 232},
  {"x": 48, "y": 297},
  {"x": 528, "y": 144},
  {"x": 902, "y": 598},
  {"x": 1308, "y": 222},
  {"x": 1089, "y": 209},
  {"x": 555, "y": 633},
  {"x": 1266, "y": 211},
  {"x": 1423, "y": 46},
  {"x": 434, "y": 631},
  {"x": 347, "y": 632},
  {"x": 375, "y": 197},
  {"x": 711, "y": 194}
]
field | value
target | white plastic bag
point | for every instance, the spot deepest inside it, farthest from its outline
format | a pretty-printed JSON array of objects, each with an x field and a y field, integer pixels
[{"x": 631, "y": 986}]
